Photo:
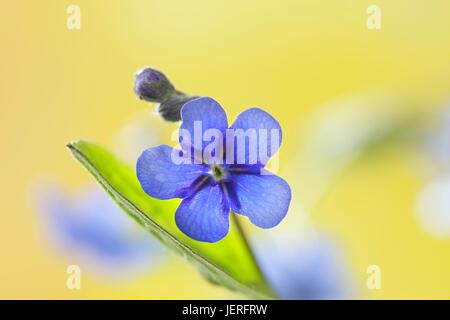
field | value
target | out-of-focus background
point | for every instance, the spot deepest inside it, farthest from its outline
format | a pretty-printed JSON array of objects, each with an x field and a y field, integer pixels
[{"x": 358, "y": 108}]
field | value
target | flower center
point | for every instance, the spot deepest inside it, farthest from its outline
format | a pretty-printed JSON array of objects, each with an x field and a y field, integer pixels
[{"x": 218, "y": 172}]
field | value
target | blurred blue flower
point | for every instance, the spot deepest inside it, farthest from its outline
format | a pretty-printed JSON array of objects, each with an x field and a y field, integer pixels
[
  {"x": 438, "y": 141},
  {"x": 214, "y": 175},
  {"x": 152, "y": 85},
  {"x": 433, "y": 201},
  {"x": 308, "y": 269},
  {"x": 91, "y": 230}
]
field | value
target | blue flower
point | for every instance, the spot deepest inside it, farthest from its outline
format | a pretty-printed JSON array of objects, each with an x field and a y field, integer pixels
[
  {"x": 92, "y": 231},
  {"x": 308, "y": 269},
  {"x": 218, "y": 171}
]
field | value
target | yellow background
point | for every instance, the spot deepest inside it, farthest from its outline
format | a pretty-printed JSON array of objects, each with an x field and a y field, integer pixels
[{"x": 288, "y": 57}]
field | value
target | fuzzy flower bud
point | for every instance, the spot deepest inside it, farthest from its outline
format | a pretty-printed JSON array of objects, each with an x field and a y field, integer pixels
[
  {"x": 170, "y": 110},
  {"x": 152, "y": 86}
]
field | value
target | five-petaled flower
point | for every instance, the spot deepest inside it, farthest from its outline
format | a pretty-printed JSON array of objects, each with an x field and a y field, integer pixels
[{"x": 210, "y": 189}]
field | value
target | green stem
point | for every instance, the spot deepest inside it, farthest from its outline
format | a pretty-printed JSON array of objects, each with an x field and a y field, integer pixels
[{"x": 251, "y": 252}]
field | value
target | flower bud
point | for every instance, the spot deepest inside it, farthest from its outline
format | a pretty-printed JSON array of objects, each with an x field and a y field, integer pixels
[
  {"x": 170, "y": 109},
  {"x": 152, "y": 85}
]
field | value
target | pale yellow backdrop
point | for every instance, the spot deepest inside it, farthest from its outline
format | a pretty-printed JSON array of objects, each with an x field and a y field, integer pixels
[{"x": 287, "y": 56}]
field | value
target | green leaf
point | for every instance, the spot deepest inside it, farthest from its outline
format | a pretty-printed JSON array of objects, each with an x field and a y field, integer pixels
[{"x": 229, "y": 263}]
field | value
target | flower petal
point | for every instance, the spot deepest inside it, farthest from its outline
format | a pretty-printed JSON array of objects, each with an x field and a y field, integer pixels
[
  {"x": 162, "y": 178},
  {"x": 264, "y": 127},
  {"x": 204, "y": 216},
  {"x": 264, "y": 199},
  {"x": 202, "y": 113}
]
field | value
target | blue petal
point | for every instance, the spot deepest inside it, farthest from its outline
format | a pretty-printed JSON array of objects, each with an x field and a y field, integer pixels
[
  {"x": 205, "y": 216},
  {"x": 209, "y": 115},
  {"x": 91, "y": 229},
  {"x": 264, "y": 199},
  {"x": 162, "y": 178},
  {"x": 257, "y": 119}
]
